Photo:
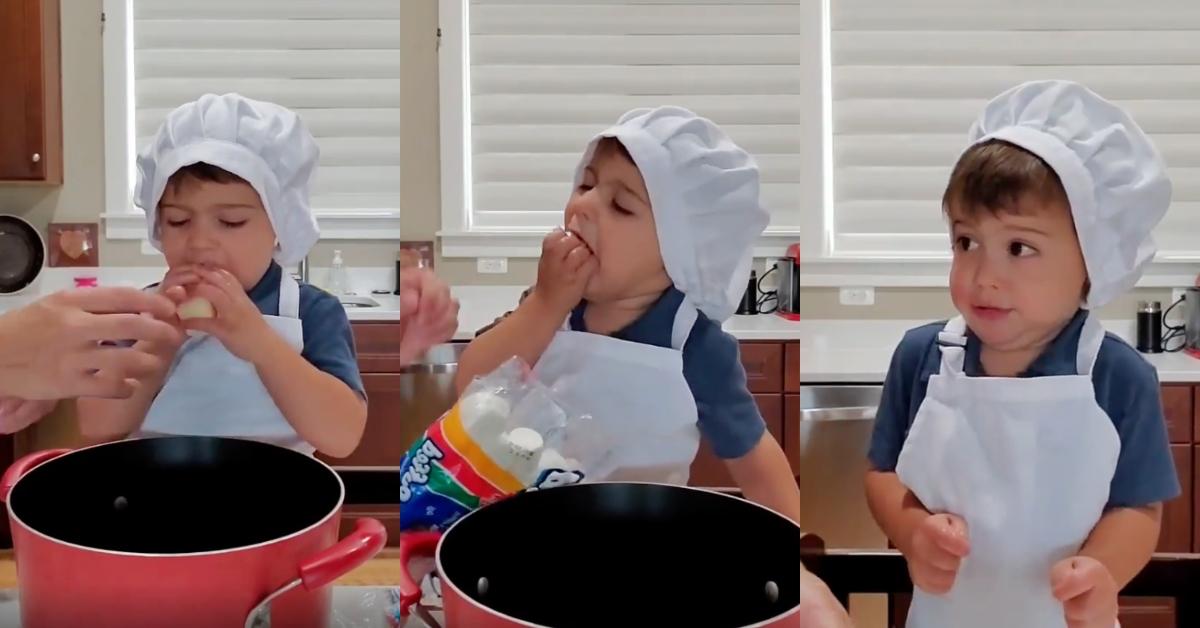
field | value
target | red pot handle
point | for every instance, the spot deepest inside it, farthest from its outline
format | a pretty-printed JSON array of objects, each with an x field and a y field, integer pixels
[
  {"x": 414, "y": 545},
  {"x": 23, "y": 466},
  {"x": 346, "y": 555}
]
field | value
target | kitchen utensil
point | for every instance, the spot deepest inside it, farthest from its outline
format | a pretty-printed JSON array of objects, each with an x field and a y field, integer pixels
[
  {"x": 586, "y": 555},
  {"x": 1149, "y": 327},
  {"x": 190, "y": 532},
  {"x": 22, "y": 254}
]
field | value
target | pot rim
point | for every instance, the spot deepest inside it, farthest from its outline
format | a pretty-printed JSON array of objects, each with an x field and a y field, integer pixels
[
  {"x": 524, "y": 624},
  {"x": 322, "y": 521}
]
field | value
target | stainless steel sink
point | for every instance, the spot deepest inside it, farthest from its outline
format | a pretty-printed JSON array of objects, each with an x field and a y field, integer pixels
[
  {"x": 839, "y": 403},
  {"x": 349, "y": 300}
]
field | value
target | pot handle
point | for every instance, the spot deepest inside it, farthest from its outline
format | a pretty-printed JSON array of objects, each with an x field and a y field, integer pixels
[
  {"x": 358, "y": 547},
  {"x": 23, "y": 466},
  {"x": 414, "y": 545}
]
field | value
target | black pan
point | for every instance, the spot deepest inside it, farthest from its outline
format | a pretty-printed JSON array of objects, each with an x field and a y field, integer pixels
[{"x": 22, "y": 254}]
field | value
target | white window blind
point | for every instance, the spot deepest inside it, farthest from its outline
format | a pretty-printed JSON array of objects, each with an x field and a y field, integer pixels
[
  {"x": 909, "y": 78},
  {"x": 337, "y": 63},
  {"x": 545, "y": 76}
]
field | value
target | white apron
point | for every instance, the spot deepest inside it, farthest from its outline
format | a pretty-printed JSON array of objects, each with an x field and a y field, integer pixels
[
  {"x": 636, "y": 392},
  {"x": 211, "y": 392},
  {"x": 1027, "y": 463}
]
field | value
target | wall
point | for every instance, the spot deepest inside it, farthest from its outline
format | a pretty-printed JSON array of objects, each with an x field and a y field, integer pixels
[{"x": 81, "y": 197}]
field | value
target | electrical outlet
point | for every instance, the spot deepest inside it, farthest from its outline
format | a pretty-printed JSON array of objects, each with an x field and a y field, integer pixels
[
  {"x": 857, "y": 296},
  {"x": 492, "y": 265}
]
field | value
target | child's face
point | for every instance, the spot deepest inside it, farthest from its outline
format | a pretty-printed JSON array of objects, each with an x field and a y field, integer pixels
[
  {"x": 1017, "y": 276},
  {"x": 610, "y": 210},
  {"x": 222, "y": 225}
]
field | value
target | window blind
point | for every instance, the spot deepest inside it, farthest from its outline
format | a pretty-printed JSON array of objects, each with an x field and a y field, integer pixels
[
  {"x": 545, "y": 76},
  {"x": 336, "y": 63},
  {"x": 909, "y": 78}
]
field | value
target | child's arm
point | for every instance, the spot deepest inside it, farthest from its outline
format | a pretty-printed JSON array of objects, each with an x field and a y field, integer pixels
[
  {"x": 563, "y": 273},
  {"x": 1124, "y": 540},
  {"x": 323, "y": 410},
  {"x": 765, "y": 477}
]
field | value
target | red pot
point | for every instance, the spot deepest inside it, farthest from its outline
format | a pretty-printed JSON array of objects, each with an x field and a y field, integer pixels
[
  {"x": 611, "y": 554},
  {"x": 183, "y": 531}
]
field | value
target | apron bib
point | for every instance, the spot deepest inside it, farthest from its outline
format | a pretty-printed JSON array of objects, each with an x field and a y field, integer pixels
[
  {"x": 636, "y": 393},
  {"x": 211, "y": 392},
  {"x": 1027, "y": 463}
]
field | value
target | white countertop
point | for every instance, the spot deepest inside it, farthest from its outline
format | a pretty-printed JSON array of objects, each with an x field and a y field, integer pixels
[
  {"x": 860, "y": 350},
  {"x": 480, "y": 305}
]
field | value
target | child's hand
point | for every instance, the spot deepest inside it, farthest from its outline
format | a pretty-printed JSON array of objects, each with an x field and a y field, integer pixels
[
  {"x": 564, "y": 270},
  {"x": 428, "y": 314},
  {"x": 238, "y": 323},
  {"x": 1087, "y": 591},
  {"x": 175, "y": 286},
  {"x": 938, "y": 546}
]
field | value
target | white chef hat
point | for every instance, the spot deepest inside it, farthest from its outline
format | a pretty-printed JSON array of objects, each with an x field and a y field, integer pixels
[
  {"x": 263, "y": 143},
  {"x": 704, "y": 195},
  {"x": 1115, "y": 179}
]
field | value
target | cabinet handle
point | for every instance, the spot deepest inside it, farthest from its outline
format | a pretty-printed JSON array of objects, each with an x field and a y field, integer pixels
[{"x": 37, "y": 157}]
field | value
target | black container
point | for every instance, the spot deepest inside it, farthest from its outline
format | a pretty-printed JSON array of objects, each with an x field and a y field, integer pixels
[
  {"x": 1149, "y": 327},
  {"x": 749, "y": 304}
]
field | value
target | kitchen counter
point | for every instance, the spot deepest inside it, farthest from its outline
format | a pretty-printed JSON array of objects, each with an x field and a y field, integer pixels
[
  {"x": 860, "y": 350},
  {"x": 480, "y": 305}
]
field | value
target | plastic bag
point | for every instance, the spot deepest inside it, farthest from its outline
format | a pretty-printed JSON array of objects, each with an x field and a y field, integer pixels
[{"x": 505, "y": 434}]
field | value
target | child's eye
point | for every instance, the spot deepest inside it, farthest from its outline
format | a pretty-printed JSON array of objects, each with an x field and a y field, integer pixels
[
  {"x": 233, "y": 225},
  {"x": 622, "y": 210},
  {"x": 177, "y": 223},
  {"x": 583, "y": 187},
  {"x": 1020, "y": 249},
  {"x": 963, "y": 243}
]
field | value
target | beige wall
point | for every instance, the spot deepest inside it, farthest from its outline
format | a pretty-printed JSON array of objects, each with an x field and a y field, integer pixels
[{"x": 81, "y": 197}]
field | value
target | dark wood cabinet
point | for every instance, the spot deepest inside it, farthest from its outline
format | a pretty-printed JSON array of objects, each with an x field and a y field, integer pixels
[
  {"x": 1176, "y": 533},
  {"x": 30, "y": 92},
  {"x": 1177, "y": 408},
  {"x": 791, "y": 367},
  {"x": 710, "y": 471},
  {"x": 763, "y": 362},
  {"x": 387, "y": 435}
]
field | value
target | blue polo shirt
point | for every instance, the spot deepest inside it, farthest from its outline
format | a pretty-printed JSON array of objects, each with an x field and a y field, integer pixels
[
  {"x": 728, "y": 417},
  {"x": 328, "y": 338},
  {"x": 1126, "y": 386}
]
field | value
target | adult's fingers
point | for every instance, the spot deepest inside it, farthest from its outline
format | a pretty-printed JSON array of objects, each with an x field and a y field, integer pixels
[
  {"x": 100, "y": 384},
  {"x": 118, "y": 300},
  {"x": 98, "y": 327},
  {"x": 125, "y": 362}
]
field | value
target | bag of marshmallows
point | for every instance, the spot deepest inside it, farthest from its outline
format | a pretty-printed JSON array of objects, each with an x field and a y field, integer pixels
[{"x": 505, "y": 434}]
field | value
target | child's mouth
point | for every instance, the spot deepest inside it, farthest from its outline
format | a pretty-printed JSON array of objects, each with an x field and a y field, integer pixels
[
  {"x": 585, "y": 231},
  {"x": 989, "y": 313}
]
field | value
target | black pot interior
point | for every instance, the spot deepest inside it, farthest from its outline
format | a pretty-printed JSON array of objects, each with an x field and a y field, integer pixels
[
  {"x": 176, "y": 495},
  {"x": 594, "y": 555}
]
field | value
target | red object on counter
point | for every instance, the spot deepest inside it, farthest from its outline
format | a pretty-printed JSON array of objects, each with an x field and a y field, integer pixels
[
  {"x": 188, "y": 532},
  {"x": 590, "y": 554},
  {"x": 87, "y": 282}
]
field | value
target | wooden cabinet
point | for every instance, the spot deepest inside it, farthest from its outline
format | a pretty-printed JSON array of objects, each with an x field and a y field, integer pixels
[
  {"x": 710, "y": 471},
  {"x": 30, "y": 92},
  {"x": 763, "y": 362},
  {"x": 385, "y": 437},
  {"x": 1177, "y": 407},
  {"x": 1176, "y": 534},
  {"x": 791, "y": 367}
]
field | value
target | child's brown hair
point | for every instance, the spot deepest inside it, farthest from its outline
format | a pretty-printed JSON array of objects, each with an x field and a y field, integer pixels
[{"x": 995, "y": 175}]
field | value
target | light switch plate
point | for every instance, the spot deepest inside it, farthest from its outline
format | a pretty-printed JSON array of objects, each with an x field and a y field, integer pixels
[
  {"x": 492, "y": 265},
  {"x": 857, "y": 296}
]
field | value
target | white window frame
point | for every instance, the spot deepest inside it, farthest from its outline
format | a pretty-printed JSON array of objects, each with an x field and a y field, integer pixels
[
  {"x": 459, "y": 239},
  {"x": 123, "y": 220}
]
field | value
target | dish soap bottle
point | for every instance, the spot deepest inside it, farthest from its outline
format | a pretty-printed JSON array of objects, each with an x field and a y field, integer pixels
[{"x": 337, "y": 275}]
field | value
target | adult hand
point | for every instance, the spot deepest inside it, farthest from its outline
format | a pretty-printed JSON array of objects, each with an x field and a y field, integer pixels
[
  {"x": 428, "y": 314},
  {"x": 51, "y": 348}
]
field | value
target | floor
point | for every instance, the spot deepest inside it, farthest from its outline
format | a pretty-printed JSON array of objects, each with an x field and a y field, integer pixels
[{"x": 382, "y": 571}]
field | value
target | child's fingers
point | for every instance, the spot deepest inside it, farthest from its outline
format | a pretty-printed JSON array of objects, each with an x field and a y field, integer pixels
[
  {"x": 950, "y": 534},
  {"x": 224, "y": 281},
  {"x": 216, "y": 296},
  {"x": 577, "y": 257},
  {"x": 1067, "y": 581}
]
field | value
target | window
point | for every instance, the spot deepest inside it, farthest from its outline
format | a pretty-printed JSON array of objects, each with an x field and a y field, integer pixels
[
  {"x": 525, "y": 84},
  {"x": 336, "y": 63},
  {"x": 909, "y": 78}
]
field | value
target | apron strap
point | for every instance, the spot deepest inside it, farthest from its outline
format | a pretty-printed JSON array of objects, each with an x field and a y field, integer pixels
[
  {"x": 952, "y": 341},
  {"x": 685, "y": 320},
  {"x": 289, "y": 296},
  {"x": 1090, "y": 340}
]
